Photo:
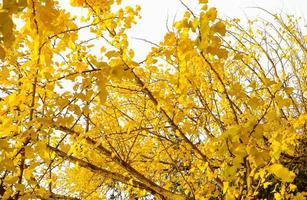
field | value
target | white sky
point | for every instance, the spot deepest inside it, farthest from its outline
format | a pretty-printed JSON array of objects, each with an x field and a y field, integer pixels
[{"x": 155, "y": 13}]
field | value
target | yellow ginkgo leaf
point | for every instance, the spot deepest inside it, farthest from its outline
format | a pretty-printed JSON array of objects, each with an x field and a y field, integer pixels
[
  {"x": 211, "y": 14},
  {"x": 203, "y": 1},
  {"x": 220, "y": 28},
  {"x": 101, "y": 83},
  {"x": 282, "y": 172}
]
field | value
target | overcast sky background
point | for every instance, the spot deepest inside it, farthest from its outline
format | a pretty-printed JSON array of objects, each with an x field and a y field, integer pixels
[{"x": 155, "y": 13}]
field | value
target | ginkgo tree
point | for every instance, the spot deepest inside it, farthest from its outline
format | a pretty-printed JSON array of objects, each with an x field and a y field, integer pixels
[{"x": 216, "y": 110}]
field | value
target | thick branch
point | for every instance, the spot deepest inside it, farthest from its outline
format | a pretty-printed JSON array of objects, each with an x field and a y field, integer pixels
[{"x": 145, "y": 181}]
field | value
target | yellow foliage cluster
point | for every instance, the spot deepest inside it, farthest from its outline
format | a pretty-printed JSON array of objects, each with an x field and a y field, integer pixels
[{"x": 216, "y": 110}]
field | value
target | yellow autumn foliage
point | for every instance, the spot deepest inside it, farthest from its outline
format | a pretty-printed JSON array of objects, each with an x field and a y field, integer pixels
[{"x": 216, "y": 110}]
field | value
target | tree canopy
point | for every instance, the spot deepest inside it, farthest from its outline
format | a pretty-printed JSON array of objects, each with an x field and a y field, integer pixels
[{"x": 216, "y": 110}]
